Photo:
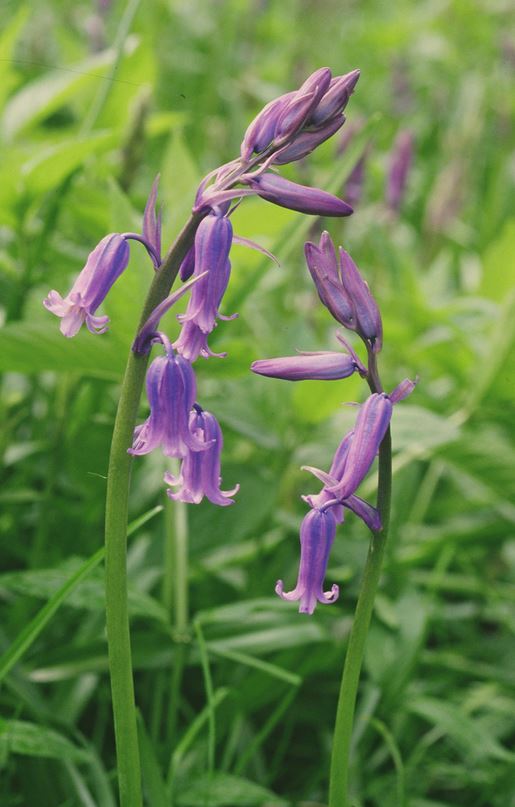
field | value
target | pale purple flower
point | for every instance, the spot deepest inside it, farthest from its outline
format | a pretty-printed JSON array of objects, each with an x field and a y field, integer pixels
[
  {"x": 335, "y": 99},
  {"x": 371, "y": 424},
  {"x": 187, "y": 266},
  {"x": 261, "y": 130},
  {"x": 307, "y": 141},
  {"x": 148, "y": 330},
  {"x": 103, "y": 267},
  {"x": 200, "y": 470},
  {"x": 213, "y": 242},
  {"x": 302, "y": 106},
  {"x": 317, "y": 533},
  {"x": 365, "y": 511},
  {"x": 402, "y": 390},
  {"x": 275, "y": 188},
  {"x": 318, "y": 365},
  {"x": 400, "y": 164},
  {"x": 355, "y": 455},
  {"x": 171, "y": 392}
]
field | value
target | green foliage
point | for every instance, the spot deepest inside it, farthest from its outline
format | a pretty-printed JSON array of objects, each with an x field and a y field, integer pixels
[{"x": 240, "y": 711}]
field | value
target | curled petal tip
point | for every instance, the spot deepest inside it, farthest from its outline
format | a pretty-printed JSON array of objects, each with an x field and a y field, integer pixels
[{"x": 330, "y": 596}]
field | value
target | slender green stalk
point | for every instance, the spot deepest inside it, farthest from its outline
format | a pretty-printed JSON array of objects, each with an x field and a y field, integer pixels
[
  {"x": 175, "y": 599},
  {"x": 339, "y": 775},
  {"x": 118, "y": 637}
]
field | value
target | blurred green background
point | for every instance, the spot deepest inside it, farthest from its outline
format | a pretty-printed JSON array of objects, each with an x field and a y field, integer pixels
[{"x": 95, "y": 99}]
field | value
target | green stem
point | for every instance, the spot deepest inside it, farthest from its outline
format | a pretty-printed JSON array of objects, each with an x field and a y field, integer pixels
[
  {"x": 175, "y": 599},
  {"x": 117, "y": 500},
  {"x": 339, "y": 775}
]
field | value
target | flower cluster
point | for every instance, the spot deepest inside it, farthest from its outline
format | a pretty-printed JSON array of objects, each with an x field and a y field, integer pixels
[
  {"x": 286, "y": 130},
  {"x": 347, "y": 297}
]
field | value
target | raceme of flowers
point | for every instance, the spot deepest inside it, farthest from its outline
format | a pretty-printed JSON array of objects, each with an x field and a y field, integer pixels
[
  {"x": 286, "y": 130},
  {"x": 346, "y": 295}
]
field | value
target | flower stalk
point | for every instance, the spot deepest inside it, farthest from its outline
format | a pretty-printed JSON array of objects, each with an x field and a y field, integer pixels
[
  {"x": 340, "y": 755},
  {"x": 117, "y": 505}
]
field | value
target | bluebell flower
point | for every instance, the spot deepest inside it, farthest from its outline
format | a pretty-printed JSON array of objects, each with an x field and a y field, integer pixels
[
  {"x": 200, "y": 470},
  {"x": 171, "y": 391},
  {"x": 317, "y": 533},
  {"x": 103, "y": 267}
]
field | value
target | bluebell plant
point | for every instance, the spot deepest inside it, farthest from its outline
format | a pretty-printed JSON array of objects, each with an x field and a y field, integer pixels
[{"x": 288, "y": 129}]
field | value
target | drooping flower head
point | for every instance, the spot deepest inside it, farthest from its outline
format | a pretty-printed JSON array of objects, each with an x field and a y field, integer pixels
[
  {"x": 317, "y": 533},
  {"x": 355, "y": 455},
  {"x": 171, "y": 391},
  {"x": 213, "y": 242},
  {"x": 200, "y": 470},
  {"x": 103, "y": 267}
]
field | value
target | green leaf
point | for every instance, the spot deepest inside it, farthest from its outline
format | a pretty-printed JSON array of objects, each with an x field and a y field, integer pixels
[
  {"x": 153, "y": 782},
  {"x": 469, "y": 734},
  {"x": 222, "y": 790},
  {"x": 51, "y": 165},
  {"x": 31, "y": 347},
  {"x": 21, "y": 737},
  {"x": 32, "y": 630},
  {"x": 499, "y": 268},
  {"x": 8, "y": 40},
  {"x": 315, "y": 401},
  {"x": 43, "y": 96}
]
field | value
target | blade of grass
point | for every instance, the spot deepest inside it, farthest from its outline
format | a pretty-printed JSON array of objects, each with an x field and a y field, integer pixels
[{"x": 31, "y": 631}]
